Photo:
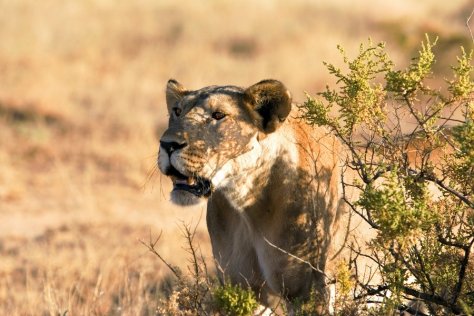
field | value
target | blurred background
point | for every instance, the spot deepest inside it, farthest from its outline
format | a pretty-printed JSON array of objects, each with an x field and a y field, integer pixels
[{"x": 82, "y": 107}]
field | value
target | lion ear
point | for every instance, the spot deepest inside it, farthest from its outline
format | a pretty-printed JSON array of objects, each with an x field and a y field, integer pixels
[
  {"x": 175, "y": 91},
  {"x": 271, "y": 101}
]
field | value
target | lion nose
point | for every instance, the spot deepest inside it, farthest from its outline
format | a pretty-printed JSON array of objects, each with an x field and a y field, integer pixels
[{"x": 170, "y": 147}]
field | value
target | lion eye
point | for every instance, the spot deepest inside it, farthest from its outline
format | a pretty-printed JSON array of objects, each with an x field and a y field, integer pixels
[
  {"x": 177, "y": 111},
  {"x": 218, "y": 115}
]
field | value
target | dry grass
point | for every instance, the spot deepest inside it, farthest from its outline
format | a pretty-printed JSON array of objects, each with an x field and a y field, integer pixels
[{"x": 81, "y": 101}]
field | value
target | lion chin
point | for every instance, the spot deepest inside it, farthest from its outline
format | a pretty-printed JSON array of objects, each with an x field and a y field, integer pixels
[
  {"x": 185, "y": 198},
  {"x": 189, "y": 191}
]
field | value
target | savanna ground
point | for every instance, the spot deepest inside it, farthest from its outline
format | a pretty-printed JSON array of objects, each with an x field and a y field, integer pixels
[{"x": 82, "y": 106}]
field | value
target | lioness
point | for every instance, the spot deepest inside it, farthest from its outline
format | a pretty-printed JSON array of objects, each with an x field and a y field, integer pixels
[{"x": 271, "y": 184}]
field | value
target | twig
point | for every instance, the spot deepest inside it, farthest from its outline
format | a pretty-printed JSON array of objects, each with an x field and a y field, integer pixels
[
  {"x": 442, "y": 185},
  {"x": 370, "y": 291},
  {"x": 462, "y": 272},
  {"x": 431, "y": 298},
  {"x": 151, "y": 247},
  {"x": 423, "y": 269},
  {"x": 468, "y": 26},
  {"x": 297, "y": 258},
  {"x": 189, "y": 234},
  {"x": 447, "y": 242}
]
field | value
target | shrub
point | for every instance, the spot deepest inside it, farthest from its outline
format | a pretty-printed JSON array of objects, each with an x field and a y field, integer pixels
[
  {"x": 412, "y": 149},
  {"x": 234, "y": 300}
]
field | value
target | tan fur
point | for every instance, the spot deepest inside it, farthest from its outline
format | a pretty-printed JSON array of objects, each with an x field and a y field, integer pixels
[{"x": 276, "y": 186}]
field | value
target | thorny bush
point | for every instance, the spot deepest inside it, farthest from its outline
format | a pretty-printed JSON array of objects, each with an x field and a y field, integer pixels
[{"x": 412, "y": 148}]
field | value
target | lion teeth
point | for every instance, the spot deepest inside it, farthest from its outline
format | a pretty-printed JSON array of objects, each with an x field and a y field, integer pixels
[
  {"x": 178, "y": 180},
  {"x": 188, "y": 181}
]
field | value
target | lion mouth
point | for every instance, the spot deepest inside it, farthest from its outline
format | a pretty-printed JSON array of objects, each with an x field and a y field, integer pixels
[{"x": 198, "y": 186}]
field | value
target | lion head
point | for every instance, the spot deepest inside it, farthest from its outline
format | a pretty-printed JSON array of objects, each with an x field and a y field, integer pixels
[{"x": 211, "y": 127}]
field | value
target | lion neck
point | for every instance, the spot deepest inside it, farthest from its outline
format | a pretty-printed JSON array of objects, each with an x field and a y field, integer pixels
[{"x": 245, "y": 179}]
